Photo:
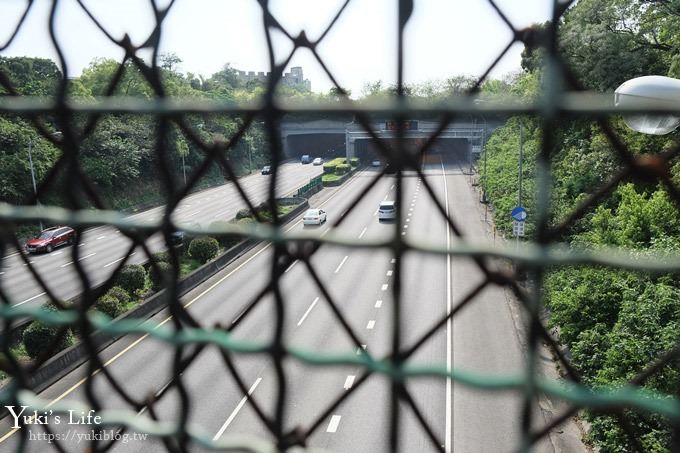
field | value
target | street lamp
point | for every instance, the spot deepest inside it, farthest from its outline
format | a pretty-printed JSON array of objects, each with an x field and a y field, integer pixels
[
  {"x": 35, "y": 187},
  {"x": 650, "y": 91}
]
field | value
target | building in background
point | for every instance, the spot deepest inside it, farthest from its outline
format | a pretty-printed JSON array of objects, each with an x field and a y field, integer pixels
[{"x": 294, "y": 78}]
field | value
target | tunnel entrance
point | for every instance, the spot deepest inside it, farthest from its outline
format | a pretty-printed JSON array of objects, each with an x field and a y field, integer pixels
[
  {"x": 326, "y": 146},
  {"x": 454, "y": 150}
]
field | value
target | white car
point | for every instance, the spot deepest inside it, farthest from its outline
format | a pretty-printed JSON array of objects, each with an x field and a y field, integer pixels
[
  {"x": 314, "y": 217},
  {"x": 317, "y": 161},
  {"x": 387, "y": 210}
]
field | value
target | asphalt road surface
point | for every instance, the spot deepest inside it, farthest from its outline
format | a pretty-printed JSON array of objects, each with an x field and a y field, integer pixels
[
  {"x": 102, "y": 248},
  {"x": 483, "y": 337}
]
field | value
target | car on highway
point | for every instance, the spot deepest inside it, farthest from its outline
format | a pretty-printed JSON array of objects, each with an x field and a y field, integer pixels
[
  {"x": 267, "y": 170},
  {"x": 317, "y": 161},
  {"x": 387, "y": 210},
  {"x": 314, "y": 217},
  {"x": 51, "y": 238},
  {"x": 178, "y": 236},
  {"x": 305, "y": 159},
  {"x": 376, "y": 163}
]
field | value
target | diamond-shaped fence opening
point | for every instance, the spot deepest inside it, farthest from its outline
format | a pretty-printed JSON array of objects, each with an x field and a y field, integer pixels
[{"x": 71, "y": 192}]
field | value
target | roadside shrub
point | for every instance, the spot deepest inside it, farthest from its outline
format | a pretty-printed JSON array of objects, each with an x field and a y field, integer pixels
[
  {"x": 162, "y": 257},
  {"x": 110, "y": 306},
  {"x": 204, "y": 248},
  {"x": 120, "y": 294},
  {"x": 39, "y": 336},
  {"x": 226, "y": 241},
  {"x": 354, "y": 161},
  {"x": 243, "y": 213},
  {"x": 342, "y": 169},
  {"x": 131, "y": 278},
  {"x": 158, "y": 273},
  {"x": 329, "y": 168}
]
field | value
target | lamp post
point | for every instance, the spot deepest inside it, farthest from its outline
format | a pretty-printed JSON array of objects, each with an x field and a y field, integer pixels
[
  {"x": 650, "y": 91},
  {"x": 35, "y": 187}
]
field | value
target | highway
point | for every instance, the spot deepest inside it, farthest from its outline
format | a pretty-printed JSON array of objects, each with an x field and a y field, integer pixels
[
  {"x": 102, "y": 248},
  {"x": 483, "y": 337}
]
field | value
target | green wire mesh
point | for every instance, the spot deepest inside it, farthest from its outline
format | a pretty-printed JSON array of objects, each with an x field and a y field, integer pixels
[{"x": 189, "y": 336}]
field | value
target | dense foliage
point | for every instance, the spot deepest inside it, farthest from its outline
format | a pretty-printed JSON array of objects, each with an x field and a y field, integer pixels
[
  {"x": 131, "y": 278},
  {"x": 204, "y": 249},
  {"x": 615, "y": 322}
]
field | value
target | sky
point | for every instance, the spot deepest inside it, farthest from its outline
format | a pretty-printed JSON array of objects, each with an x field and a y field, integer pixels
[{"x": 444, "y": 38}]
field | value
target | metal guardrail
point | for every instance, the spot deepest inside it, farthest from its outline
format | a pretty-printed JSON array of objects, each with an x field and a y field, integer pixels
[{"x": 189, "y": 332}]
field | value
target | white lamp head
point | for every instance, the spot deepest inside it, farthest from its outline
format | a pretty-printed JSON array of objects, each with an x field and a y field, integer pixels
[{"x": 657, "y": 91}]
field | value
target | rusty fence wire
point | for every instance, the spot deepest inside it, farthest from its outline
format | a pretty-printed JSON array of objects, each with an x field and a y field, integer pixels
[{"x": 189, "y": 335}]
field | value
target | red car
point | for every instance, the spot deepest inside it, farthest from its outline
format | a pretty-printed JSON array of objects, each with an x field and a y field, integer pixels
[{"x": 50, "y": 239}]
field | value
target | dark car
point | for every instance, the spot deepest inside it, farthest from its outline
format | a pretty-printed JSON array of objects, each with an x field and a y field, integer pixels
[
  {"x": 266, "y": 170},
  {"x": 50, "y": 239},
  {"x": 305, "y": 159}
]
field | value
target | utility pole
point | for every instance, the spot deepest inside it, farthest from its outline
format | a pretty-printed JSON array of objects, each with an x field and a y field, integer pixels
[
  {"x": 519, "y": 191},
  {"x": 521, "y": 145},
  {"x": 35, "y": 187}
]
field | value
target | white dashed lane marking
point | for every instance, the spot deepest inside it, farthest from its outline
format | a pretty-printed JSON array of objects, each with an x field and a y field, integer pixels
[
  {"x": 371, "y": 324},
  {"x": 101, "y": 237},
  {"x": 349, "y": 382},
  {"x": 238, "y": 408},
  {"x": 291, "y": 266},
  {"x": 119, "y": 259},
  {"x": 384, "y": 287},
  {"x": 340, "y": 265},
  {"x": 389, "y": 273},
  {"x": 79, "y": 259},
  {"x": 333, "y": 424},
  {"x": 307, "y": 312},
  {"x": 378, "y": 303},
  {"x": 363, "y": 232}
]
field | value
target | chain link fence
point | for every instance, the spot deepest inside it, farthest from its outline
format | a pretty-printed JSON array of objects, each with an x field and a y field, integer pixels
[{"x": 561, "y": 98}]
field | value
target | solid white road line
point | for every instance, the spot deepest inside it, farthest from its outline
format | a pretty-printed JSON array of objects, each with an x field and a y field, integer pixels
[
  {"x": 378, "y": 303},
  {"x": 341, "y": 263},
  {"x": 449, "y": 323},
  {"x": 371, "y": 324},
  {"x": 307, "y": 312},
  {"x": 333, "y": 425},
  {"x": 239, "y": 406},
  {"x": 79, "y": 259},
  {"x": 28, "y": 300},
  {"x": 363, "y": 232},
  {"x": 349, "y": 382}
]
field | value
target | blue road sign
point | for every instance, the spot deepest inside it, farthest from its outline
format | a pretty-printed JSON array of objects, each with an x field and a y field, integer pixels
[{"x": 519, "y": 214}]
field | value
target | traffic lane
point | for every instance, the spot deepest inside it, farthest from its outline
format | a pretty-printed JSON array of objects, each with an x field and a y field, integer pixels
[
  {"x": 363, "y": 289},
  {"x": 310, "y": 390},
  {"x": 485, "y": 341},
  {"x": 257, "y": 330},
  {"x": 23, "y": 288},
  {"x": 423, "y": 303},
  {"x": 258, "y": 326},
  {"x": 223, "y": 205},
  {"x": 126, "y": 373}
]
